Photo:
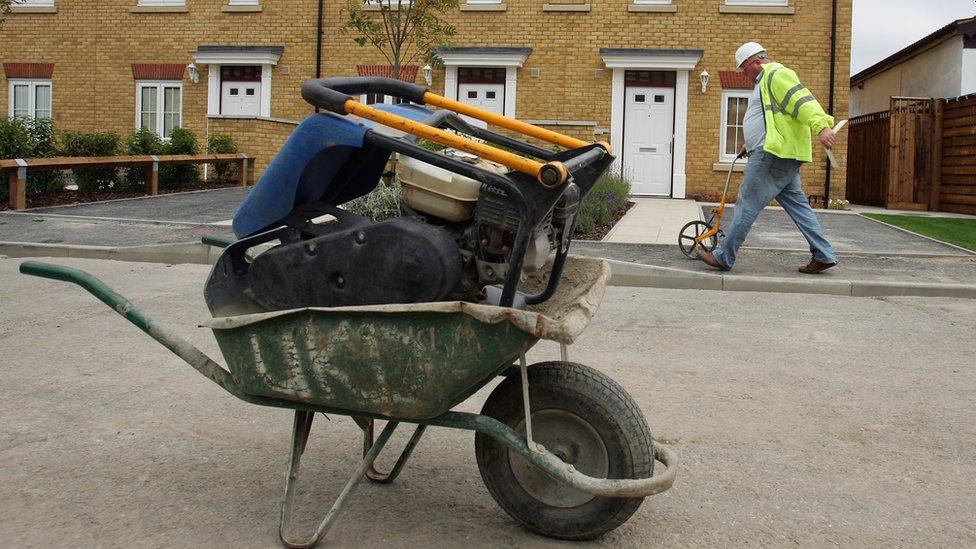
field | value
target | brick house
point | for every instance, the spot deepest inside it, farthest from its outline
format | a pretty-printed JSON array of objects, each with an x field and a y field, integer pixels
[{"x": 627, "y": 71}]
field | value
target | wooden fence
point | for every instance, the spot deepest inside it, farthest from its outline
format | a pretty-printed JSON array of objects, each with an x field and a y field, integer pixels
[
  {"x": 17, "y": 168},
  {"x": 957, "y": 182},
  {"x": 918, "y": 155}
]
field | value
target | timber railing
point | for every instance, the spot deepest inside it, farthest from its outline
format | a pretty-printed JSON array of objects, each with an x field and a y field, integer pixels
[{"x": 17, "y": 168}]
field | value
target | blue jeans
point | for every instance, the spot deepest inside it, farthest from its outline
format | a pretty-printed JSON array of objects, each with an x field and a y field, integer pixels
[{"x": 767, "y": 177}]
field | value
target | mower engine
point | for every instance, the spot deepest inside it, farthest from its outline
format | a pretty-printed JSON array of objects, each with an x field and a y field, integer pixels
[{"x": 471, "y": 229}]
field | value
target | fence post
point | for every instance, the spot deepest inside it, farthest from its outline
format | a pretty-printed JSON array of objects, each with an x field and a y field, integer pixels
[
  {"x": 935, "y": 189},
  {"x": 17, "y": 186},
  {"x": 242, "y": 172},
  {"x": 152, "y": 182}
]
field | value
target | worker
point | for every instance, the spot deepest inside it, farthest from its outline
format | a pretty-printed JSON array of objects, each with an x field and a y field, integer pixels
[{"x": 779, "y": 120}]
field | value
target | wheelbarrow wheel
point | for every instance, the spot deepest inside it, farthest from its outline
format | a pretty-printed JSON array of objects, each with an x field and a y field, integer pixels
[
  {"x": 586, "y": 419},
  {"x": 691, "y": 231}
]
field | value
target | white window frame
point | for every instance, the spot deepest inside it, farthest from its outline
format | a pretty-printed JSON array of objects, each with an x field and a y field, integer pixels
[
  {"x": 723, "y": 126},
  {"x": 160, "y": 86},
  {"x": 32, "y": 84},
  {"x": 32, "y": 3},
  {"x": 164, "y": 3},
  {"x": 774, "y": 3},
  {"x": 244, "y": 3},
  {"x": 387, "y": 100},
  {"x": 653, "y": 2},
  {"x": 484, "y": 1}
]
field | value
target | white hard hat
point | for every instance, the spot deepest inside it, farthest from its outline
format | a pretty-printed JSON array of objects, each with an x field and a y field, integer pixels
[{"x": 746, "y": 51}]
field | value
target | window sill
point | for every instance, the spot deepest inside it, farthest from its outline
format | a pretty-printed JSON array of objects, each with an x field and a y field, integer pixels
[
  {"x": 724, "y": 166},
  {"x": 241, "y": 9},
  {"x": 33, "y": 9},
  {"x": 566, "y": 7},
  {"x": 484, "y": 7},
  {"x": 653, "y": 8},
  {"x": 159, "y": 9},
  {"x": 766, "y": 10}
]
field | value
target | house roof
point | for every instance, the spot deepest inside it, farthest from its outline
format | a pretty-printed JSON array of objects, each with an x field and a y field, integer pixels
[{"x": 960, "y": 27}]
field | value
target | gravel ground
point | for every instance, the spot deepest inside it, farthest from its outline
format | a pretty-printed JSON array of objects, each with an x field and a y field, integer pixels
[{"x": 798, "y": 419}]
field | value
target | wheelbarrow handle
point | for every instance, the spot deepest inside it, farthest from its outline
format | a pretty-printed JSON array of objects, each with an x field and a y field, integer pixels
[{"x": 182, "y": 348}]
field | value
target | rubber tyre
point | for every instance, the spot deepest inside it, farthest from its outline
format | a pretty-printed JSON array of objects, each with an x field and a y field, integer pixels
[
  {"x": 689, "y": 232},
  {"x": 600, "y": 402}
]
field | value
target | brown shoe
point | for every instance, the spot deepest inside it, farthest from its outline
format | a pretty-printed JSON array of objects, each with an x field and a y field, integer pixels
[
  {"x": 815, "y": 267},
  {"x": 709, "y": 259}
]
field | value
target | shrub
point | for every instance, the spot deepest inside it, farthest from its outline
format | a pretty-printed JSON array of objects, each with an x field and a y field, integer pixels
[
  {"x": 383, "y": 203},
  {"x": 26, "y": 138},
  {"x": 141, "y": 142},
  {"x": 223, "y": 144},
  {"x": 92, "y": 180},
  {"x": 605, "y": 200},
  {"x": 181, "y": 141}
]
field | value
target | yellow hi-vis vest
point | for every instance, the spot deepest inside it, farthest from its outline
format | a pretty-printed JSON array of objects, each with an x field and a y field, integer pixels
[{"x": 791, "y": 113}]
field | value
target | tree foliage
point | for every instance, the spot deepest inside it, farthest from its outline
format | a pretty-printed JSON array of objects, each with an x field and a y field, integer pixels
[
  {"x": 404, "y": 31},
  {"x": 4, "y": 10}
]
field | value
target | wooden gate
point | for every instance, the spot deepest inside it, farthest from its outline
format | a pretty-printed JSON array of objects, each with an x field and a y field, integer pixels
[
  {"x": 912, "y": 154},
  {"x": 867, "y": 149}
]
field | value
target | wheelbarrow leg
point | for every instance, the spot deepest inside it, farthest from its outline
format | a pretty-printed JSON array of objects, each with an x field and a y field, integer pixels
[
  {"x": 385, "y": 478},
  {"x": 299, "y": 439}
]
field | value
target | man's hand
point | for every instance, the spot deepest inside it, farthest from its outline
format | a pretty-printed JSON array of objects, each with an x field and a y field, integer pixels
[
  {"x": 827, "y": 138},
  {"x": 742, "y": 151}
]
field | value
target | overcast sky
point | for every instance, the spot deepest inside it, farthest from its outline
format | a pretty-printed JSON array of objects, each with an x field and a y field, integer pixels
[{"x": 882, "y": 27}]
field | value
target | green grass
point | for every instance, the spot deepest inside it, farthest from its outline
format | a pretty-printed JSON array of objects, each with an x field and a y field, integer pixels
[{"x": 958, "y": 231}]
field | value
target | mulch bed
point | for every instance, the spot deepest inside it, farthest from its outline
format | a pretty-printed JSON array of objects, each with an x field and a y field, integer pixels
[
  {"x": 73, "y": 197},
  {"x": 601, "y": 231}
]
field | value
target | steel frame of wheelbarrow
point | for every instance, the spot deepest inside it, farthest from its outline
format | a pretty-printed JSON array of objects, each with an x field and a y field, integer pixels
[{"x": 304, "y": 412}]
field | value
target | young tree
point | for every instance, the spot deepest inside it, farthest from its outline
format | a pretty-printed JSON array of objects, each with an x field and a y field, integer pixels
[
  {"x": 404, "y": 31},
  {"x": 4, "y": 10}
]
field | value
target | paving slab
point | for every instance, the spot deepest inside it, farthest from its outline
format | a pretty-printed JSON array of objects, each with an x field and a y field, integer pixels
[
  {"x": 798, "y": 420},
  {"x": 847, "y": 232},
  {"x": 949, "y": 269}
]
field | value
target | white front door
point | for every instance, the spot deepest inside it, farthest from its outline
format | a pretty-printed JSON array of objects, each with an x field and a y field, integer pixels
[
  {"x": 648, "y": 134},
  {"x": 240, "y": 98},
  {"x": 490, "y": 97}
]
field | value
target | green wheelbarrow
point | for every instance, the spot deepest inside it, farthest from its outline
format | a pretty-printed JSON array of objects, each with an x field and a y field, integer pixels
[{"x": 561, "y": 447}]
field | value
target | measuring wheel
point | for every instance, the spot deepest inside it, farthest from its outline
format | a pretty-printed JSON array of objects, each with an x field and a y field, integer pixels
[
  {"x": 588, "y": 421},
  {"x": 691, "y": 231}
]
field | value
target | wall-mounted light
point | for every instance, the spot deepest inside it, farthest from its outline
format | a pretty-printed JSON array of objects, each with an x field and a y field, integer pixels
[
  {"x": 428, "y": 74},
  {"x": 194, "y": 74},
  {"x": 704, "y": 80}
]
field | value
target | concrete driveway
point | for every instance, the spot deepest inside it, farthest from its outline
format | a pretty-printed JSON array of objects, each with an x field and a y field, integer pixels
[{"x": 798, "y": 419}]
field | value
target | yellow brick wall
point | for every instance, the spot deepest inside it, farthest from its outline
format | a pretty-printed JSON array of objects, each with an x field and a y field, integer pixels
[
  {"x": 93, "y": 44},
  {"x": 257, "y": 137},
  {"x": 566, "y": 45}
]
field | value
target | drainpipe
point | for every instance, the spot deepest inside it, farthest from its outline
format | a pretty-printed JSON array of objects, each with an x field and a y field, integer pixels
[
  {"x": 830, "y": 101},
  {"x": 318, "y": 46}
]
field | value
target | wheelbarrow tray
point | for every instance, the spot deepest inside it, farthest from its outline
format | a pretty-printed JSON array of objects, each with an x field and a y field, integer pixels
[{"x": 408, "y": 361}]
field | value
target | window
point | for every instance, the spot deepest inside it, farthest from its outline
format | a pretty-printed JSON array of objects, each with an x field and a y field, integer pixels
[
  {"x": 162, "y": 3},
  {"x": 244, "y": 2},
  {"x": 44, "y": 3},
  {"x": 733, "y": 111},
  {"x": 374, "y": 98},
  {"x": 159, "y": 107},
  {"x": 757, "y": 2},
  {"x": 30, "y": 98}
]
